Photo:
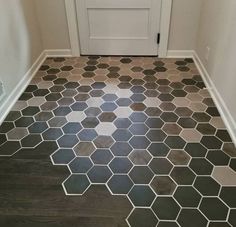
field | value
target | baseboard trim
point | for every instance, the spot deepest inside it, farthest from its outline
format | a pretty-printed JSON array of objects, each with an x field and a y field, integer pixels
[
  {"x": 7, "y": 105},
  {"x": 180, "y": 53},
  {"x": 21, "y": 86},
  {"x": 217, "y": 98},
  {"x": 58, "y": 53}
]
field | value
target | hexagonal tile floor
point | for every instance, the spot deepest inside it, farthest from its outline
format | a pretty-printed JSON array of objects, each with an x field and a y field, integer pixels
[{"x": 142, "y": 133}]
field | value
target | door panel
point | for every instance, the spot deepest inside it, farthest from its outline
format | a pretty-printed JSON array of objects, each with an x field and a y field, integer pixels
[
  {"x": 101, "y": 28},
  {"x": 118, "y": 27}
]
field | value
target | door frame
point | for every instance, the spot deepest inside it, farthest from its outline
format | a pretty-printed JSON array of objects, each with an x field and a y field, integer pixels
[{"x": 166, "y": 6}]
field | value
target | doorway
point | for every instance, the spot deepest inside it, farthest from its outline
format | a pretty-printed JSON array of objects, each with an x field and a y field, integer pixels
[{"x": 124, "y": 27}]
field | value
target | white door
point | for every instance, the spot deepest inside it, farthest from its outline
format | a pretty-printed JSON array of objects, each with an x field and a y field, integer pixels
[{"x": 118, "y": 27}]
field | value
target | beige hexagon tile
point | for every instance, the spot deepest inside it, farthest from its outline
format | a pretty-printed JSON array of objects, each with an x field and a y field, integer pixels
[
  {"x": 136, "y": 59},
  {"x": 152, "y": 102},
  {"x": 137, "y": 75},
  {"x": 168, "y": 60},
  {"x": 136, "y": 62},
  {"x": 124, "y": 93},
  {"x": 77, "y": 71},
  {"x": 63, "y": 74},
  {"x": 217, "y": 122},
  {"x": 17, "y": 133},
  {"x": 230, "y": 149},
  {"x": 36, "y": 101},
  {"x": 186, "y": 75},
  {"x": 170, "y": 66},
  {"x": 56, "y": 64},
  {"x": 94, "y": 102},
  {"x": 148, "y": 60},
  {"x": 82, "y": 60},
  {"x": 35, "y": 80},
  {"x": 69, "y": 61},
  {"x": 19, "y": 105},
  {"x": 197, "y": 107},
  {"x": 105, "y": 129},
  {"x": 45, "y": 84},
  {"x": 101, "y": 71},
  {"x": 125, "y": 66},
  {"x": 191, "y": 135},
  {"x": 204, "y": 93},
  {"x": 48, "y": 61},
  {"x": 125, "y": 69},
  {"x": 193, "y": 66},
  {"x": 172, "y": 71},
  {"x": 86, "y": 81},
  {"x": 74, "y": 78},
  {"x": 40, "y": 74},
  {"x": 174, "y": 78},
  {"x": 179, "y": 157},
  {"x": 194, "y": 97},
  {"x": 115, "y": 58},
  {"x": 194, "y": 71},
  {"x": 100, "y": 78},
  {"x": 224, "y": 175},
  {"x": 104, "y": 60},
  {"x": 76, "y": 116},
  {"x": 123, "y": 112},
  {"x": 79, "y": 65},
  {"x": 181, "y": 102},
  {"x": 112, "y": 81},
  {"x": 163, "y": 75},
  {"x": 140, "y": 157},
  {"x": 149, "y": 66},
  {"x": 172, "y": 129},
  {"x": 110, "y": 89},
  {"x": 114, "y": 63}
]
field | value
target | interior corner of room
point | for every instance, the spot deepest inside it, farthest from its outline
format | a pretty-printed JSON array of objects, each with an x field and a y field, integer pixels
[{"x": 202, "y": 29}]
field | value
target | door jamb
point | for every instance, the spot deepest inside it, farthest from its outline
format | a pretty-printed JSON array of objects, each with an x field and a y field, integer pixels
[
  {"x": 72, "y": 27},
  {"x": 166, "y": 6}
]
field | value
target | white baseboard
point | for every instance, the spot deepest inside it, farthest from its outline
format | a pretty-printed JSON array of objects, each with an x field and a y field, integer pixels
[
  {"x": 216, "y": 96},
  {"x": 58, "y": 53},
  {"x": 22, "y": 85},
  {"x": 180, "y": 53},
  {"x": 219, "y": 101}
]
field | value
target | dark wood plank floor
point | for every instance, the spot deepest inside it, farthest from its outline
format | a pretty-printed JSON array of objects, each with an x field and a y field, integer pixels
[{"x": 31, "y": 195}]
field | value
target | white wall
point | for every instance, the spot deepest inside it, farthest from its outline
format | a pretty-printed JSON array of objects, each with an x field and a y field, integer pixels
[
  {"x": 184, "y": 24},
  {"x": 218, "y": 31},
  {"x": 20, "y": 42},
  {"x": 53, "y": 23}
]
